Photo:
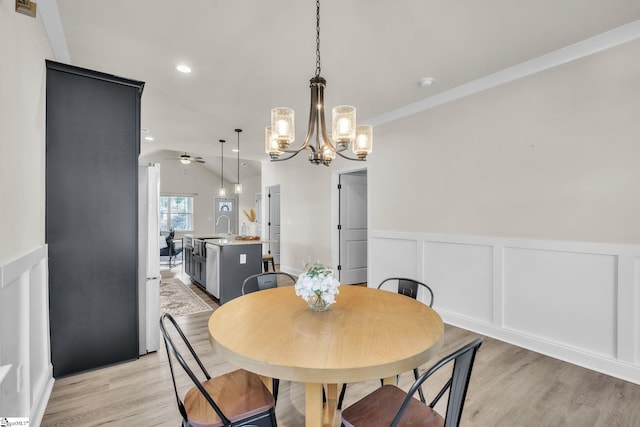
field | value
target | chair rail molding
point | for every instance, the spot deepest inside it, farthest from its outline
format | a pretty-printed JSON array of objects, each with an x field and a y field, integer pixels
[{"x": 575, "y": 301}]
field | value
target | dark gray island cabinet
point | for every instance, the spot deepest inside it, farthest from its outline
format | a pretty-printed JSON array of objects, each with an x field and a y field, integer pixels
[{"x": 220, "y": 265}]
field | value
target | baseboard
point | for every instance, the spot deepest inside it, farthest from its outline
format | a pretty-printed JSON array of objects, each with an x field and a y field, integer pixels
[
  {"x": 40, "y": 403},
  {"x": 574, "y": 356}
]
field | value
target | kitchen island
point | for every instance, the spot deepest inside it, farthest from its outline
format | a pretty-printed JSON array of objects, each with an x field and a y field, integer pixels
[{"x": 219, "y": 264}]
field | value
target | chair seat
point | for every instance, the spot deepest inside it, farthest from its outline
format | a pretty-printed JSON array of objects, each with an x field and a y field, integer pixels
[
  {"x": 239, "y": 394},
  {"x": 174, "y": 252},
  {"x": 379, "y": 408}
]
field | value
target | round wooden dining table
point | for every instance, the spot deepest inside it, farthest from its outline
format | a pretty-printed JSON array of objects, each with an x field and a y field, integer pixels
[{"x": 367, "y": 334}]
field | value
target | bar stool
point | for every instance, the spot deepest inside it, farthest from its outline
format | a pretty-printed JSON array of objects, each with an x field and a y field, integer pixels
[{"x": 266, "y": 258}]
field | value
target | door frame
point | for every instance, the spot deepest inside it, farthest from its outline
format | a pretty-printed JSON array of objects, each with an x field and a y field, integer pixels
[
  {"x": 266, "y": 225},
  {"x": 335, "y": 214}
]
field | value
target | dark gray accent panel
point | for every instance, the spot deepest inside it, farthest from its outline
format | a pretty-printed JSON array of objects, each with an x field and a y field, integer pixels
[{"x": 92, "y": 148}]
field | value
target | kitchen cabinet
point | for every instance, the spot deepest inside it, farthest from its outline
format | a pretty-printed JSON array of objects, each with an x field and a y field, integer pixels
[
  {"x": 188, "y": 260},
  {"x": 229, "y": 265},
  {"x": 195, "y": 262},
  {"x": 199, "y": 272},
  {"x": 220, "y": 265}
]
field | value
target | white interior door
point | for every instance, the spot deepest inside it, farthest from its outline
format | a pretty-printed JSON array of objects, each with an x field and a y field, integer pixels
[
  {"x": 273, "y": 221},
  {"x": 353, "y": 228}
]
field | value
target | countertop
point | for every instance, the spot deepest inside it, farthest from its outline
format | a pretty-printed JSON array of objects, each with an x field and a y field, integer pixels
[
  {"x": 227, "y": 240},
  {"x": 232, "y": 241}
]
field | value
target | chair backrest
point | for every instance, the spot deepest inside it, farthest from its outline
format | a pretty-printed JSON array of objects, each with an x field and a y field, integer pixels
[
  {"x": 457, "y": 385},
  {"x": 262, "y": 281},
  {"x": 174, "y": 354},
  {"x": 408, "y": 287}
]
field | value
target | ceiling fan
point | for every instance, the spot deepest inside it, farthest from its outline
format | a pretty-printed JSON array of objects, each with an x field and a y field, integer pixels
[{"x": 185, "y": 159}]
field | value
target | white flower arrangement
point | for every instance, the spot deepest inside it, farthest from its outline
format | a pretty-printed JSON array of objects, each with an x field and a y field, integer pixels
[{"x": 317, "y": 286}]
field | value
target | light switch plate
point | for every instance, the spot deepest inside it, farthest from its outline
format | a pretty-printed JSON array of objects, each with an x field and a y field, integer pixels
[{"x": 243, "y": 258}]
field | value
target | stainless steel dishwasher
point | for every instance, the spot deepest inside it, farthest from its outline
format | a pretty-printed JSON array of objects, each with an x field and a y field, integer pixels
[{"x": 213, "y": 270}]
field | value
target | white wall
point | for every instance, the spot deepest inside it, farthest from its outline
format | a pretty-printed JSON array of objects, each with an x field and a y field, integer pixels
[
  {"x": 25, "y": 366},
  {"x": 306, "y": 211},
  {"x": 551, "y": 156},
  {"x": 520, "y": 206},
  {"x": 22, "y": 130},
  {"x": 251, "y": 186},
  {"x": 197, "y": 180}
]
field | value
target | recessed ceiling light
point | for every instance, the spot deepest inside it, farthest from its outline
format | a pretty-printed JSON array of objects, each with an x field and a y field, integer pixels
[
  {"x": 183, "y": 68},
  {"x": 244, "y": 165},
  {"x": 148, "y": 138},
  {"x": 425, "y": 82},
  {"x": 235, "y": 150}
]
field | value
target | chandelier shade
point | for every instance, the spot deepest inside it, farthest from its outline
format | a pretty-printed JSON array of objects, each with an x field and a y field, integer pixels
[
  {"x": 280, "y": 135},
  {"x": 364, "y": 141},
  {"x": 343, "y": 125}
]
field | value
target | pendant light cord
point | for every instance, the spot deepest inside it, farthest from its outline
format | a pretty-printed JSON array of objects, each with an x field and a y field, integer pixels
[
  {"x": 317, "y": 38},
  {"x": 222, "y": 141},
  {"x": 238, "y": 132}
]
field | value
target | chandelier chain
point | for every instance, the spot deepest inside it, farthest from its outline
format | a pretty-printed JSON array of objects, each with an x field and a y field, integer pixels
[{"x": 317, "y": 38}]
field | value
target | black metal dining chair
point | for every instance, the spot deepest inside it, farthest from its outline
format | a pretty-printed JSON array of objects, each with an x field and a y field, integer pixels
[
  {"x": 261, "y": 281},
  {"x": 236, "y": 399},
  {"x": 391, "y": 406},
  {"x": 170, "y": 250},
  {"x": 407, "y": 287}
]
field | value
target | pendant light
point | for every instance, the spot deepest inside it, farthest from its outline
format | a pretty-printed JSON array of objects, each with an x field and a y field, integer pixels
[
  {"x": 281, "y": 133},
  {"x": 238, "y": 186},
  {"x": 221, "y": 191}
]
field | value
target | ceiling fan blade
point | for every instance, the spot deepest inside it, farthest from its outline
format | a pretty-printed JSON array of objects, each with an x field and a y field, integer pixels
[{"x": 186, "y": 158}]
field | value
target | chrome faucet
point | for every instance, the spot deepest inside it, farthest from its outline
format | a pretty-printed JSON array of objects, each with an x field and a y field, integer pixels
[{"x": 228, "y": 223}]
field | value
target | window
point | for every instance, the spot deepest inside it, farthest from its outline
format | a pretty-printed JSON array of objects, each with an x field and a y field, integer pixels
[{"x": 176, "y": 213}]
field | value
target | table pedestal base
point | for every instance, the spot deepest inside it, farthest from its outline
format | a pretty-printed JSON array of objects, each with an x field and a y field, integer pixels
[{"x": 315, "y": 414}]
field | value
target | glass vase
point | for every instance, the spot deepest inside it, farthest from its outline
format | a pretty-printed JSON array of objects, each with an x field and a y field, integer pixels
[{"x": 316, "y": 303}]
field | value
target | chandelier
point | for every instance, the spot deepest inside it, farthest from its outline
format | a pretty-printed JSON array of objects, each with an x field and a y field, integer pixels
[{"x": 281, "y": 133}]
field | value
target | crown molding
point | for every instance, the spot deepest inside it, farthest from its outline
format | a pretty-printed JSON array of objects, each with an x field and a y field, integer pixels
[{"x": 590, "y": 46}]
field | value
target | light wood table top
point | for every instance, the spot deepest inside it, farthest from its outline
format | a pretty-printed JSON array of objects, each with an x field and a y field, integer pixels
[{"x": 367, "y": 334}]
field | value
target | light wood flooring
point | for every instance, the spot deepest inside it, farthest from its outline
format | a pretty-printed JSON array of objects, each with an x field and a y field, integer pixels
[{"x": 510, "y": 387}]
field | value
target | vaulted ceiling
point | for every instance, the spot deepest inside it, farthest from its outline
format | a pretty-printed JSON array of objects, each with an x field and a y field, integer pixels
[{"x": 248, "y": 56}]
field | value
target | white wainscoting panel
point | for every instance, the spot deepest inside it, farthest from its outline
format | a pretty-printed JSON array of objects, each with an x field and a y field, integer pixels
[
  {"x": 636, "y": 310},
  {"x": 576, "y": 301},
  {"x": 461, "y": 277},
  {"x": 564, "y": 297},
  {"x": 25, "y": 360},
  {"x": 393, "y": 258}
]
